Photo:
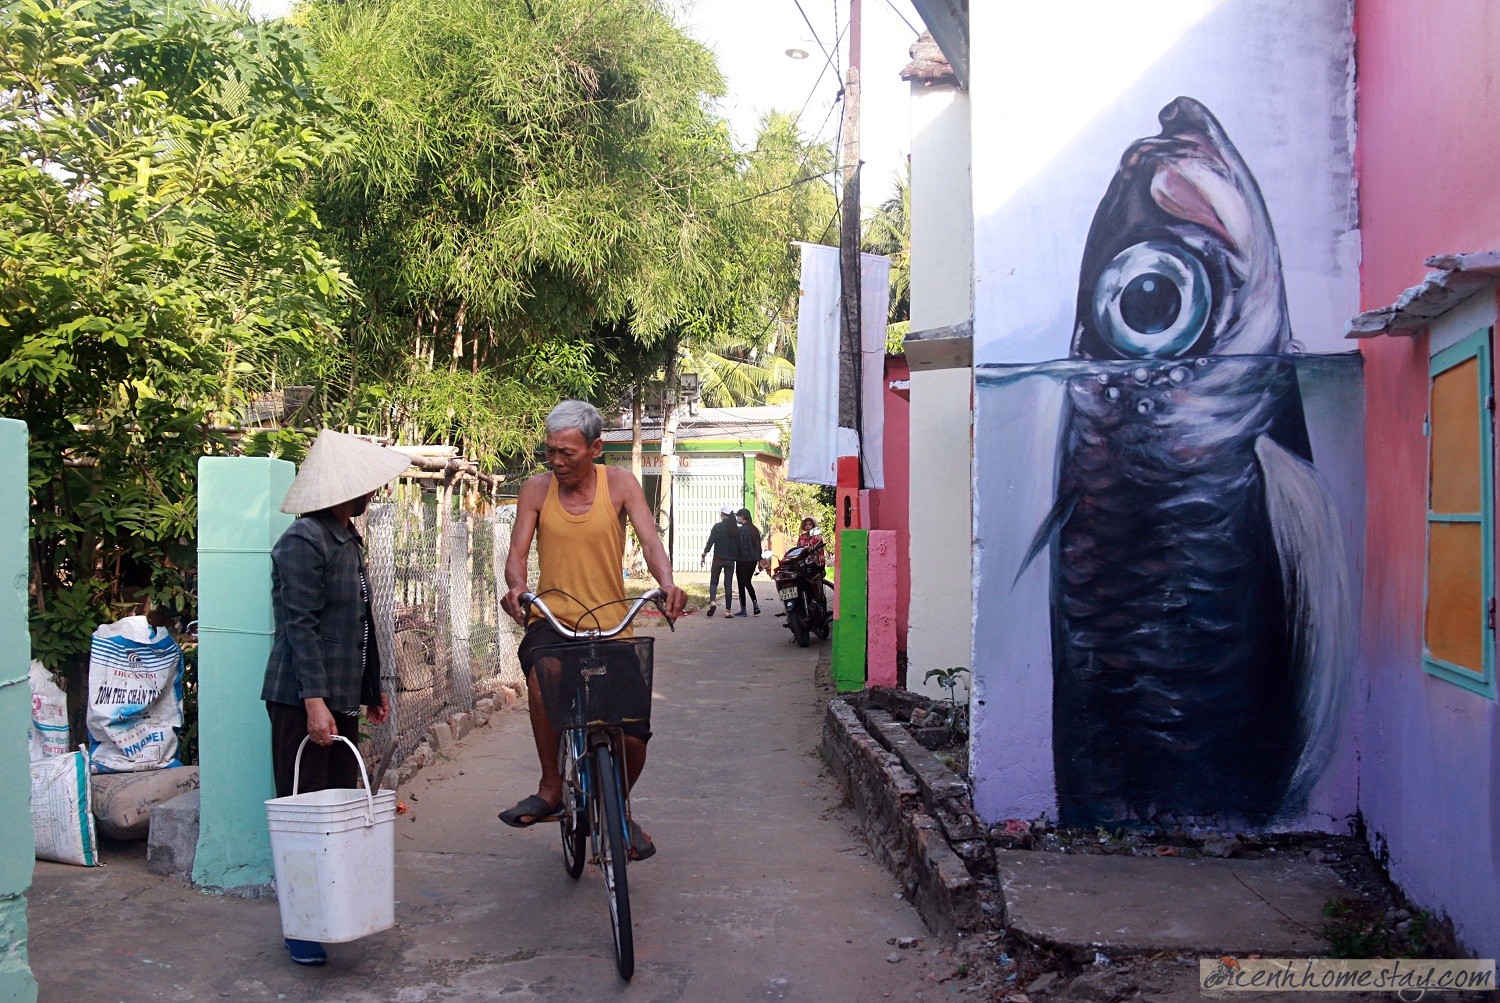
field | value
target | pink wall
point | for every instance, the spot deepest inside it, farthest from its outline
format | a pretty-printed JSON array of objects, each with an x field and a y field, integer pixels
[
  {"x": 890, "y": 506},
  {"x": 1429, "y": 117},
  {"x": 1428, "y": 110}
]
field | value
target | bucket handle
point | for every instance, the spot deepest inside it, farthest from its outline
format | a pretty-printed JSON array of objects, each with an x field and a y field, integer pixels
[{"x": 363, "y": 773}]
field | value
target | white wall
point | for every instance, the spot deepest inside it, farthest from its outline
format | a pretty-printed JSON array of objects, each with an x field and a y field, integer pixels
[
  {"x": 1061, "y": 90},
  {"x": 941, "y": 625}
]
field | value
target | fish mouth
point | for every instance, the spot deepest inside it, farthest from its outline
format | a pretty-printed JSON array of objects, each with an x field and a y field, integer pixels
[{"x": 1184, "y": 220}]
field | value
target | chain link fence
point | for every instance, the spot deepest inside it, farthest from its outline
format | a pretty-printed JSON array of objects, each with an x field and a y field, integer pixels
[{"x": 437, "y": 573}]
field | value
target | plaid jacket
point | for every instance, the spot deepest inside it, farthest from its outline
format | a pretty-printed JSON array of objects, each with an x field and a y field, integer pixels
[{"x": 323, "y": 645}]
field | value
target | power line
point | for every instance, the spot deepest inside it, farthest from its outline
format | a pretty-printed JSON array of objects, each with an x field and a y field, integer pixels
[
  {"x": 902, "y": 16},
  {"x": 781, "y": 188},
  {"x": 826, "y": 54}
]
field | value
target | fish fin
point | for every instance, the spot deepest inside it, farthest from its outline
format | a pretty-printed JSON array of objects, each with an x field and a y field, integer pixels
[
  {"x": 1061, "y": 510},
  {"x": 1314, "y": 576}
]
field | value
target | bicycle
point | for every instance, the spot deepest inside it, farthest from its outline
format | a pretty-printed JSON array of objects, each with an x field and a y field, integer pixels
[{"x": 591, "y": 685}]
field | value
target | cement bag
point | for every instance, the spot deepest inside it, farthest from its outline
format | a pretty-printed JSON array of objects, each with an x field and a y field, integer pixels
[
  {"x": 49, "y": 715},
  {"x": 123, "y": 801},
  {"x": 135, "y": 697},
  {"x": 62, "y": 821}
]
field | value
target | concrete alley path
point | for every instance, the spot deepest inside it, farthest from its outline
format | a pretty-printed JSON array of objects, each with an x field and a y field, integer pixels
[{"x": 760, "y": 889}]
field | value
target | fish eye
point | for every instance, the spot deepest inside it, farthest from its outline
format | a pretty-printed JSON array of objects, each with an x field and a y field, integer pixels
[{"x": 1152, "y": 301}]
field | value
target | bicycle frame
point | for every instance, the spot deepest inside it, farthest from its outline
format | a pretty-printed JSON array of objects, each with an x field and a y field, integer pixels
[{"x": 591, "y": 758}]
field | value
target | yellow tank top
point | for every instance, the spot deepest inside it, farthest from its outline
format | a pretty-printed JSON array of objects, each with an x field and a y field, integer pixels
[{"x": 583, "y": 556}]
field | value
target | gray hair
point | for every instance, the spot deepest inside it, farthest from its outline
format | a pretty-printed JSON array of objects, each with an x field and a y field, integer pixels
[{"x": 576, "y": 414}]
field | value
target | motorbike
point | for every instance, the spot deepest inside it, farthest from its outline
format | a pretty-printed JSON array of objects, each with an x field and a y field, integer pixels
[{"x": 800, "y": 581}]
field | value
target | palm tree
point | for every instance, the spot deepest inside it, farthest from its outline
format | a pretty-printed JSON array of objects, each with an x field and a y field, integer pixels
[{"x": 888, "y": 232}]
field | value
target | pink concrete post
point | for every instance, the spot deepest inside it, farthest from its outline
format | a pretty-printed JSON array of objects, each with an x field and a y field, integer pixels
[{"x": 880, "y": 618}]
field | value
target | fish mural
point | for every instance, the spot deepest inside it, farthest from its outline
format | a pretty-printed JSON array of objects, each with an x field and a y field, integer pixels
[{"x": 1201, "y": 613}]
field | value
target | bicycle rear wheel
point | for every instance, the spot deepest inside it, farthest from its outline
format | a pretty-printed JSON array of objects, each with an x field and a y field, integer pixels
[
  {"x": 575, "y": 819},
  {"x": 609, "y": 816}
]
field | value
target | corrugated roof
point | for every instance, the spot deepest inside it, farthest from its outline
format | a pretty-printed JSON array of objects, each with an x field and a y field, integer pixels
[{"x": 751, "y": 424}]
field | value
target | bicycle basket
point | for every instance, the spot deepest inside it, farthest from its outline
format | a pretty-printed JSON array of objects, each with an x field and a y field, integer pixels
[{"x": 595, "y": 682}]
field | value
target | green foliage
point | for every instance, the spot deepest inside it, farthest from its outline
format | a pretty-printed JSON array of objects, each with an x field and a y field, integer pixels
[
  {"x": 158, "y": 264},
  {"x": 525, "y": 174},
  {"x": 948, "y": 679},
  {"x": 187, "y": 739},
  {"x": 888, "y": 232},
  {"x": 1359, "y": 928}
]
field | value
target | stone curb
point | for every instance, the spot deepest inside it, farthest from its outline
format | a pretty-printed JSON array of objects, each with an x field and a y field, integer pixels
[{"x": 893, "y": 817}]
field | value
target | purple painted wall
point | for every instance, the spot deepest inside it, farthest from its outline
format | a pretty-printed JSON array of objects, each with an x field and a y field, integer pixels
[{"x": 1429, "y": 126}]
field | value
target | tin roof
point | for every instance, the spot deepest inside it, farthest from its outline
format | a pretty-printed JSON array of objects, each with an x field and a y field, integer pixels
[{"x": 751, "y": 424}]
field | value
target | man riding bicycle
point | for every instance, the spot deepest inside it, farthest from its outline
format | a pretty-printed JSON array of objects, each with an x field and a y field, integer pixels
[{"x": 576, "y": 511}]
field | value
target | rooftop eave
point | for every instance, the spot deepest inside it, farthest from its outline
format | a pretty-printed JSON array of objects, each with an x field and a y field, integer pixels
[
  {"x": 941, "y": 347},
  {"x": 948, "y": 20},
  {"x": 1455, "y": 278}
]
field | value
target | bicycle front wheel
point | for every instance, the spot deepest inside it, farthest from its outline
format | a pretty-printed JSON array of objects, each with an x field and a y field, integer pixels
[
  {"x": 574, "y": 821},
  {"x": 610, "y": 819}
]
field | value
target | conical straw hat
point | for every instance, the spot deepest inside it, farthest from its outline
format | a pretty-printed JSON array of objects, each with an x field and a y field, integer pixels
[{"x": 338, "y": 468}]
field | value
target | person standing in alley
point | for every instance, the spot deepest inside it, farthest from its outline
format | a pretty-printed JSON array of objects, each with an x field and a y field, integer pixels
[
  {"x": 747, "y": 559},
  {"x": 724, "y": 542},
  {"x": 324, "y": 663}
]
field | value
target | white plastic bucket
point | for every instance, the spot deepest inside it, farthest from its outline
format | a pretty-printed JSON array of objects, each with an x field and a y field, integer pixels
[{"x": 335, "y": 858}]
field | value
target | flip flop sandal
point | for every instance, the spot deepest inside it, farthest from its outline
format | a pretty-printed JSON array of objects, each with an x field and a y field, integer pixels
[
  {"x": 532, "y": 807},
  {"x": 641, "y": 847}
]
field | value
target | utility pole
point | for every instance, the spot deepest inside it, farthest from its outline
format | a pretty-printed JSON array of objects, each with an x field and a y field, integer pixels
[{"x": 849, "y": 270}]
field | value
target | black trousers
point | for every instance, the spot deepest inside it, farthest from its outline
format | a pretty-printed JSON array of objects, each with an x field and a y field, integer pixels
[
  {"x": 323, "y": 767},
  {"x": 744, "y": 571},
  {"x": 727, "y": 568}
]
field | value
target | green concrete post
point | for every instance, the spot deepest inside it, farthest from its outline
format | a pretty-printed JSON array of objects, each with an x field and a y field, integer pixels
[
  {"x": 749, "y": 492},
  {"x": 18, "y": 859},
  {"x": 239, "y": 520},
  {"x": 849, "y": 630}
]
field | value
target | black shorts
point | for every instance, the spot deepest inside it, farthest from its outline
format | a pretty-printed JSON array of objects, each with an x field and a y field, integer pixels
[{"x": 539, "y": 633}]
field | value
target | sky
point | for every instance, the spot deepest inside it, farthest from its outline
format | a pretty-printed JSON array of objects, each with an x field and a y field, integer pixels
[{"x": 750, "y": 38}]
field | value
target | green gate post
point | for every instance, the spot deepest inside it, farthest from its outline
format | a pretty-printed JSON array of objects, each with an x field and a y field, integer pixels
[
  {"x": 239, "y": 520},
  {"x": 18, "y": 859},
  {"x": 849, "y": 634},
  {"x": 749, "y": 499}
]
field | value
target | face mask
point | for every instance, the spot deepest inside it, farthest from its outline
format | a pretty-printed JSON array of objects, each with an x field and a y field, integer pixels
[{"x": 360, "y": 504}]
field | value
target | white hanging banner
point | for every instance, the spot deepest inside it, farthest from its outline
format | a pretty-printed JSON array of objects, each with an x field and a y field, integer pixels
[
  {"x": 815, "y": 393},
  {"x": 815, "y": 400},
  {"x": 874, "y": 309}
]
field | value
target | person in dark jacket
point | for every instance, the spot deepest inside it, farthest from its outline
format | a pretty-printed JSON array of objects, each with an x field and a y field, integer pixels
[
  {"x": 324, "y": 663},
  {"x": 724, "y": 541},
  {"x": 747, "y": 559}
]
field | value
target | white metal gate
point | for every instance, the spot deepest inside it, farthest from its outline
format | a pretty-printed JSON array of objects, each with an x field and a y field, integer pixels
[{"x": 696, "y": 501}]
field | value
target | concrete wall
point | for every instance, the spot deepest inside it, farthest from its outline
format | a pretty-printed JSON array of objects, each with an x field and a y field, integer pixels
[
  {"x": 239, "y": 520},
  {"x": 941, "y": 616},
  {"x": 890, "y": 505},
  {"x": 17, "y": 860},
  {"x": 1428, "y": 130},
  {"x": 1137, "y": 651}
]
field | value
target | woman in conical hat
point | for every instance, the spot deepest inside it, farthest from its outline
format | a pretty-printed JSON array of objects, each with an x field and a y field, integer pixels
[{"x": 324, "y": 663}]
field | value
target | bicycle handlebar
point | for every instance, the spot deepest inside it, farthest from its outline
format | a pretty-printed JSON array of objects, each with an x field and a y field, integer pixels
[{"x": 655, "y": 597}]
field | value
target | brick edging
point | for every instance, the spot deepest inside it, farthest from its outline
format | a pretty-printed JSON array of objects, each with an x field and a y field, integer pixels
[{"x": 905, "y": 837}]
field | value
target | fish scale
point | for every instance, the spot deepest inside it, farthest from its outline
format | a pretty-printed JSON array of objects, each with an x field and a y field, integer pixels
[{"x": 1173, "y": 611}]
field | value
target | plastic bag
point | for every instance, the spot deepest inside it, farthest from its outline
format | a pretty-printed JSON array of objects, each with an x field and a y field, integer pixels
[
  {"x": 135, "y": 697},
  {"x": 62, "y": 816},
  {"x": 49, "y": 715}
]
